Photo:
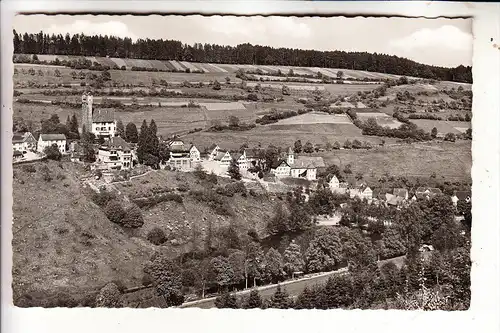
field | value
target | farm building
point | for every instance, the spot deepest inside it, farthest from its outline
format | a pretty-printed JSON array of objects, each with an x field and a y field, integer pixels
[
  {"x": 115, "y": 154},
  {"x": 47, "y": 140},
  {"x": 23, "y": 142}
]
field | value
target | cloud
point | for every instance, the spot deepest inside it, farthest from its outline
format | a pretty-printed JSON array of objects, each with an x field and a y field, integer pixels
[
  {"x": 259, "y": 29},
  {"x": 445, "y": 41},
  {"x": 109, "y": 28}
]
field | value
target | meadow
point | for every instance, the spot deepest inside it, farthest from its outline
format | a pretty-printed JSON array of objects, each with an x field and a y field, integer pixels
[{"x": 444, "y": 127}]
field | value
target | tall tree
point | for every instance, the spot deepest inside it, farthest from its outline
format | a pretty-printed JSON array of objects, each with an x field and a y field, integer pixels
[
  {"x": 273, "y": 266},
  {"x": 120, "y": 129},
  {"x": 253, "y": 301},
  {"x": 234, "y": 170},
  {"x": 280, "y": 299},
  {"x": 131, "y": 134},
  {"x": 297, "y": 147},
  {"x": 293, "y": 259},
  {"x": 167, "y": 279}
]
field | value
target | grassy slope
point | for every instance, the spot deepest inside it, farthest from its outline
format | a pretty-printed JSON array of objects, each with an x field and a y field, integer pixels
[{"x": 63, "y": 242}]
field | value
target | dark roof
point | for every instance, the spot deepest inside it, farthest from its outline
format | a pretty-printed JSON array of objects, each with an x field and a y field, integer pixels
[
  {"x": 18, "y": 137},
  {"x": 17, "y": 153},
  {"x": 212, "y": 146},
  {"x": 278, "y": 163},
  {"x": 236, "y": 156},
  {"x": 180, "y": 148},
  {"x": 52, "y": 137},
  {"x": 103, "y": 116},
  {"x": 116, "y": 143},
  {"x": 435, "y": 190},
  {"x": 220, "y": 155},
  {"x": 253, "y": 152},
  {"x": 463, "y": 195},
  {"x": 400, "y": 192},
  {"x": 308, "y": 162}
]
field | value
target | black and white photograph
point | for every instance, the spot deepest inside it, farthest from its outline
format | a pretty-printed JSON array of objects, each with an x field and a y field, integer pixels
[{"x": 242, "y": 162}]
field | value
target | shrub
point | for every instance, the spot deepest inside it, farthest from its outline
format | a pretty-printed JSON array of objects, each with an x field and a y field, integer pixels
[
  {"x": 217, "y": 203},
  {"x": 114, "y": 211},
  {"x": 29, "y": 168},
  {"x": 183, "y": 188},
  {"x": 52, "y": 152},
  {"x": 133, "y": 217},
  {"x": 156, "y": 199},
  {"x": 46, "y": 175},
  {"x": 156, "y": 236},
  {"x": 108, "y": 297},
  {"x": 103, "y": 197}
]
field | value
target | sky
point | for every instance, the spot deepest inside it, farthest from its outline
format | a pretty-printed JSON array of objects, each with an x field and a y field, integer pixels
[{"x": 439, "y": 42}]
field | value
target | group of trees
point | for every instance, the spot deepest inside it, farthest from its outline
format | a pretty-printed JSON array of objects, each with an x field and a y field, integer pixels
[
  {"x": 111, "y": 46},
  {"x": 148, "y": 145},
  {"x": 276, "y": 115},
  {"x": 293, "y": 216},
  {"x": 52, "y": 125}
]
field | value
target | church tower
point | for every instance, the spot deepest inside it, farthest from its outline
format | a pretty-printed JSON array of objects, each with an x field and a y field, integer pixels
[
  {"x": 290, "y": 160},
  {"x": 87, "y": 101}
]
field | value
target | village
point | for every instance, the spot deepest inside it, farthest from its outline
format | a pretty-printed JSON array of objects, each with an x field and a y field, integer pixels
[{"x": 114, "y": 155}]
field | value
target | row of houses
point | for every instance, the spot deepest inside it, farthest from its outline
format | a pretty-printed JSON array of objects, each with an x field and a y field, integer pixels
[{"x": 392, "y": 197}]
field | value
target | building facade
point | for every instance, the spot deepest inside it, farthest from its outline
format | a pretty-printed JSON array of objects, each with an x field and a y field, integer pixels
[
  {"x": 104, "y": 124},
  {"x": 23, "y": 142},
  {"x": 115, "y": 154},
  {"x": 47, "y": 140}
]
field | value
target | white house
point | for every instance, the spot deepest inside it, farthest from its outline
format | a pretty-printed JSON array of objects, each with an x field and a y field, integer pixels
[
  {"x": 362, "y": 192},
  {"x": 23, "y": 142},
  {"x": 104, "y": 124},
  {"x": 213, "y": 150},
  {"x": 304, "y": 167},
  {"x": 224, "y": 158},
  {"x": 194, "y": 154},
  {"x": 182, "y": 156},
  {"x": 47, "y": 140},
  {"x": 115, "y": 154},
  {"x": 241, "y": 160}
]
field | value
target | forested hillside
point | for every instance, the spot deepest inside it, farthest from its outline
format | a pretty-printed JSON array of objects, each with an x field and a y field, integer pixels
[{"x": 111, "y": 46}]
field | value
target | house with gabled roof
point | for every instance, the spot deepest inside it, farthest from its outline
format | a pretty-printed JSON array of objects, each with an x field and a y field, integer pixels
[
  {"x": 464, "y": 196},
  {"x": 401, "y": 192},
  {"x": 183, "y": 156},
  {"x": 427, "y": 192},
  {"x": 23, "y": 142},
  {"x": 240, "y": 159},
  {"x": 305, "y": 167},
  {"x": 115, "y": 154},
  {"x": 47, "y": 140},
  {"x": 254, "y": 157},
  {"x": 213, "y": 150},
  {"x": 104, "y": 123}
]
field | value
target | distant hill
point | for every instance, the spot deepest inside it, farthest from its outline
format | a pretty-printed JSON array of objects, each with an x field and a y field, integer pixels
[{"x": 152, "y": 49}]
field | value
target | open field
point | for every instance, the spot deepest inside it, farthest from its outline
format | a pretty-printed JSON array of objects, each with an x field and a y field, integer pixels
[
  {"x": 283, "y": 135},
  {"x": 444, "y": 127},
  {"x": 315, "y": 118},
  {"x": 452, "y": 161},
  {"x": 382, "y": 119}
]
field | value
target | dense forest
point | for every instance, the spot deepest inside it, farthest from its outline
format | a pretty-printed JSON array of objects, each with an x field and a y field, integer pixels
[{"x": 82, "y": 45}]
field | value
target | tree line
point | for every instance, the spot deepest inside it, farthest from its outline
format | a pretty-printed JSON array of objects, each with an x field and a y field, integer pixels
[{"x": 159, "y": 49}]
